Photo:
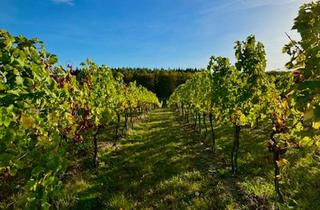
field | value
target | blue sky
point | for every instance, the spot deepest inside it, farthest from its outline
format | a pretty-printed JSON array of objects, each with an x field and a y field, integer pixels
[{"x": 151, "y": 33}]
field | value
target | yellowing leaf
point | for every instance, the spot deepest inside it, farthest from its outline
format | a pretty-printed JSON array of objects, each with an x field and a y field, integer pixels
[
  {"x": 26, "y": 121},
  {"x": 316, "y": 125},
  {"x": 69, "y": 118},
  {"x": 306, "y": 141},
  {"x": 309, "y": 114},
  {"x": 282, "y": 162}
]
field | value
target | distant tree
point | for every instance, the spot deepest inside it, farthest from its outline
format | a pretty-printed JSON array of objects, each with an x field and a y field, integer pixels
[{"x": 160, "y": 81}]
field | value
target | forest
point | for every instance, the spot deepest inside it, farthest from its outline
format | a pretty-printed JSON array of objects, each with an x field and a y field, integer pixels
[
  {"x": 160, "y": 81},
  {"x": 228, "y": 136}
]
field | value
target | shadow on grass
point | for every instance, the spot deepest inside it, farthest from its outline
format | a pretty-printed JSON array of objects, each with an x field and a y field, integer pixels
[
  {"x": 164, "y": 164},
  {"x": 158, "y": 166}
]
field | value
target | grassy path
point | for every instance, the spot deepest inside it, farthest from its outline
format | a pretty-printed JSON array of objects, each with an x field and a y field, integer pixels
[
  {"x": 157, "y": 166},
  {"x": 164, "y": 164}
]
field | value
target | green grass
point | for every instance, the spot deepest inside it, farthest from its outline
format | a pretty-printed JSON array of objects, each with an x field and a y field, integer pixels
[{"x": 163, "y": 164}]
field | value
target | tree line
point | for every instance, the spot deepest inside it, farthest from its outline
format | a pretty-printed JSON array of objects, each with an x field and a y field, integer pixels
[{"x": 160, "y": 81}]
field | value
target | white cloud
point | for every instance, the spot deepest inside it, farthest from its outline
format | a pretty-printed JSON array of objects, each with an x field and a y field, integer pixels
[{"x": 68, "y": 2}]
